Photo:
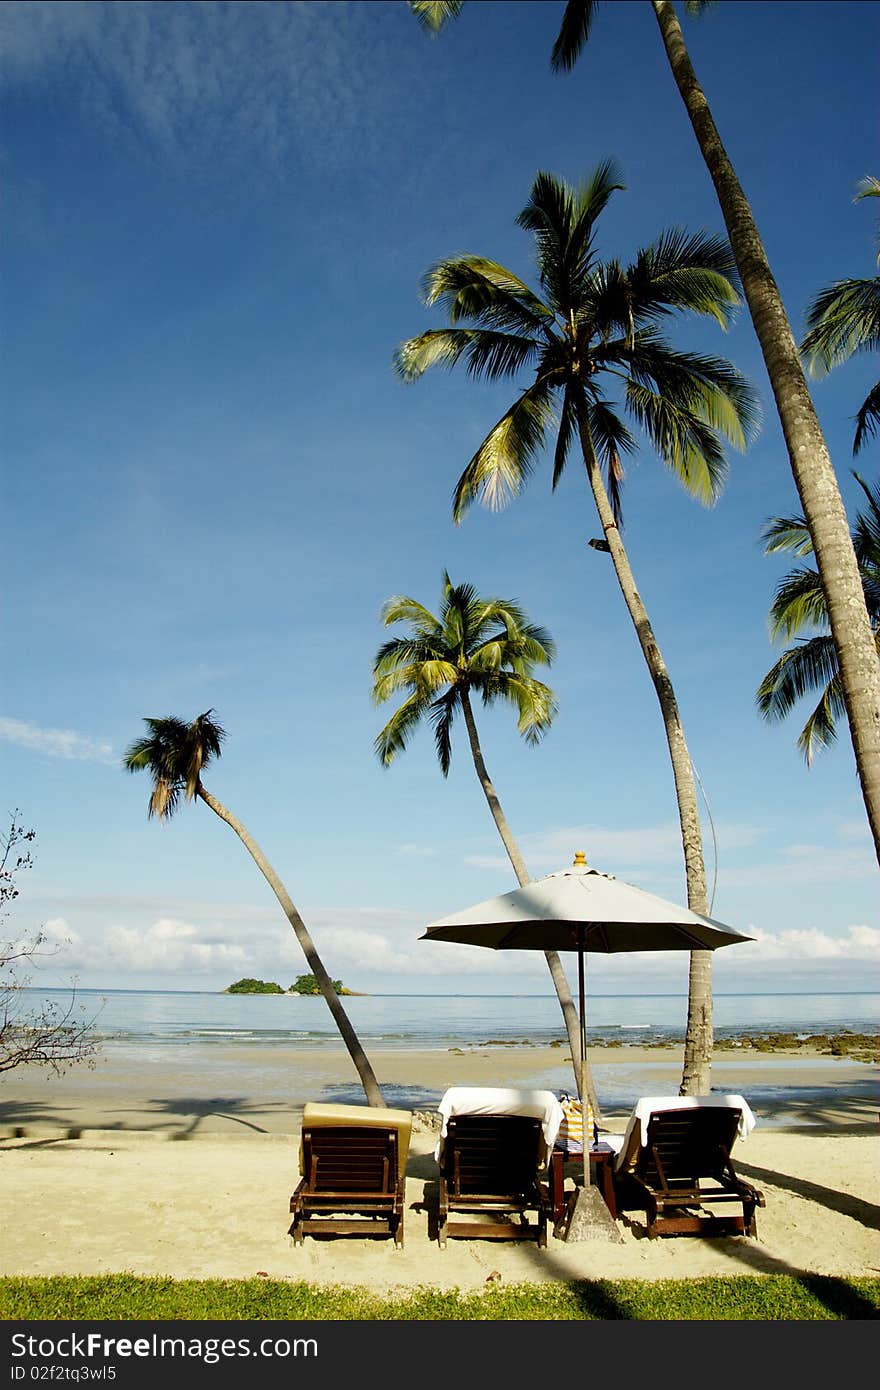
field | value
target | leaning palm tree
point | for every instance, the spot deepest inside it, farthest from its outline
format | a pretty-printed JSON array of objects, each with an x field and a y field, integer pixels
[
  {"x": 809, "y": 665},
  {"x": 477, "y": 648},
  {"x": 591, "y": 341},
  {"x": 808, "y": 455},
  {"x": 842, "y": 320},
  {"x": 175, "y": 753}
]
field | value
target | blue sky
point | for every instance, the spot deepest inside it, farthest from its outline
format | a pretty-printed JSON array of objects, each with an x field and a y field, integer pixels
[{"x": 216, "y": 217}]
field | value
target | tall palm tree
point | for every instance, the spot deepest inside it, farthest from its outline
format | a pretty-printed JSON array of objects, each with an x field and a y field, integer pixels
[
  {"x": 842, "y": 320},
  {"x": 477, "y": 647},
  {"x": 810, "y": 664},
  {"x": 591, "y": 335},
  {"x": 808, "y": 455},
  {"x": 175, "y": 753}
]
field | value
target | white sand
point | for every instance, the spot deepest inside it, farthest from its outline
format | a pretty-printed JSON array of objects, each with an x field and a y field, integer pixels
[{"x": 128, "y": 1196}]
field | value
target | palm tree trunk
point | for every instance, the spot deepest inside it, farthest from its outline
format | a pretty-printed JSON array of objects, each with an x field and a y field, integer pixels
[
  {"x": 557, "y": 973},
  {"x": 358, "y": 1056},
  {"x": 699, "y": 1033},
  {"x": 808, "y": 454}
]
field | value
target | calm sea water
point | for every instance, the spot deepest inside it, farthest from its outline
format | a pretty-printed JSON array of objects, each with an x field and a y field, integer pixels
[
  {"x": 180, "y": 1018},
  {"x": 216, "y": 1044}
]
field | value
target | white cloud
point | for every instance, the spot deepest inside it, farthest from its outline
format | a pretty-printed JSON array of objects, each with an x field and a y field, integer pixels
[
  {"x": 167, "y": 945},
  {"x": 55, "y": 743},
  {"x": 861, "y": 943}
]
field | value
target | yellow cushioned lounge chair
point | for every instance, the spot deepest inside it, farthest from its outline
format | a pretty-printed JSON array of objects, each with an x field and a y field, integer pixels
[{"x": 353, "y": 1166}]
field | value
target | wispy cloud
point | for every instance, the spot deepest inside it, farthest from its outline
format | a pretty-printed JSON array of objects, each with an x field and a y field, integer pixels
[
  {"x": 55, "y": 743},
  {"x": 620, "y": 851},
  {"x": 797, "y": 865},
  {"x": 210, "y": 85}
]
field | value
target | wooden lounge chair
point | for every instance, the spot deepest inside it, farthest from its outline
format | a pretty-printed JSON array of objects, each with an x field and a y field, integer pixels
[
  {"x": 675, "y": 1164},
  {"x": 353, "y": 1165},
  {"x": 491, "y": 1164}
]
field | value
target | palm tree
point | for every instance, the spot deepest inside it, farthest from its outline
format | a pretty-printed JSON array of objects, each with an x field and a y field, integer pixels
[
  {"x": 175, "y": 753},
  {"x": 845, "y": 319},
  {"x": 808, "y": 455},
  {"x": 476, "y": 647},
  {"x": 597, "y": 330},
  {"x": 810, "y": 665}
]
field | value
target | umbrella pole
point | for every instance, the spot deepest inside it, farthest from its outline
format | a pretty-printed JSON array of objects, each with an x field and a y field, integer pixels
[{"x": 583, "y": 1068}]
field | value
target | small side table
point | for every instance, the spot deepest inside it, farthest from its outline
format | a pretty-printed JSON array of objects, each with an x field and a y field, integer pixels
[{"x": 601, "y": 1165}]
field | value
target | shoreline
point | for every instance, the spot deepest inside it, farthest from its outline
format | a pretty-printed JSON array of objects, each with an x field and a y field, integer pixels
[{"x": 226, "y": 1089}]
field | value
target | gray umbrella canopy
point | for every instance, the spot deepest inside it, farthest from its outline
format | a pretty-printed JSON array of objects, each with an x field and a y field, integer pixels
[{"x": 581, "y": 909}]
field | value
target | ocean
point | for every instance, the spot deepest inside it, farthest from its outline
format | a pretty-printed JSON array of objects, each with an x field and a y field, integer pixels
[
  {"x": 160, "y": 1018},
  {"x": 233, "y": 1046}
]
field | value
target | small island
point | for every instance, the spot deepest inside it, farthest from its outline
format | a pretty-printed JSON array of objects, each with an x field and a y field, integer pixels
[
  {"x": 248, "y": 986},
  {"x": 304, "y": 984}
]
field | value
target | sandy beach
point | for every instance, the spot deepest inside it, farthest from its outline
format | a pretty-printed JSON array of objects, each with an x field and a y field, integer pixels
[{"x": 150, "y": 1167}]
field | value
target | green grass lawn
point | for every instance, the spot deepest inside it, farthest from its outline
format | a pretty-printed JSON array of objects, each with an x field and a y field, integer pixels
[{"x": 121, "y": 1297}]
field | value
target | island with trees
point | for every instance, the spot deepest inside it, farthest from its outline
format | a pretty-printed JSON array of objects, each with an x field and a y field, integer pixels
[{"x": 304, "y": 984}]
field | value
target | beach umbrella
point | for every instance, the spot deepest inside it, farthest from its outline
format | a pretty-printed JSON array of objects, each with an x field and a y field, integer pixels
[{"x": 582, "y": 909}]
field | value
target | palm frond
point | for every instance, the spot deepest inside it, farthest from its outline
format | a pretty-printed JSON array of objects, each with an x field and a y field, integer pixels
[
  {"x": 574, "y": 32},
  {"x": 423, "y": 673},
  {"x": 798, "y": 603},
  {"x": 843, "y": 319},
  {"x": 820, "y": 729},
  {"x": 868, "y": 418},
  {"x": 684, "y": 271},
  {"x": 400, "y": 608},
  {"x": 393, "y": 738},
  {"x": 801, "y": 669},
  {"x": 866, "y": 528},
  {"x": 486, "y": 353},
  {"x": 788, "y": 533},
  {"x": 611, "y": 439},
  {"x": 534, "y": 702},
  {"x": 507, "y": 456},
  {"x": 688, "y": 446},
  {"x": 433, "y": 14},
  {"x": 868, "y": 187},
  {"x": 473, "y": 287},
  {"x": 709, "y": 387},
  {"x": 442, "y": 714},
  {"x": 564, "y": 435}
]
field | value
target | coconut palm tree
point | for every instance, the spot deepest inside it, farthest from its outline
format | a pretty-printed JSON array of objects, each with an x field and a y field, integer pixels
[
  {"x": 808, "y": 455},
  {"x": 810, "y": 664},
  {"x": 842, "y": 320},
  {"x": 483, "y": 648},
  {"x": 175, "y": 754},
  {"x": 591, "y": 341}
]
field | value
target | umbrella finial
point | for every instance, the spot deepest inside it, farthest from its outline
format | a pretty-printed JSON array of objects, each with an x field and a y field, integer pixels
[{"x": 580, "y": 859}]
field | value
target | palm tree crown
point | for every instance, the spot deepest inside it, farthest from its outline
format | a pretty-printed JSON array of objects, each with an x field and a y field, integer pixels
[
  {"x": 810, "y": 664},
  {"x": 482, "y": 645},
  {"x": 593, "y": 331},
  {"x": 175, "y": 753}
]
